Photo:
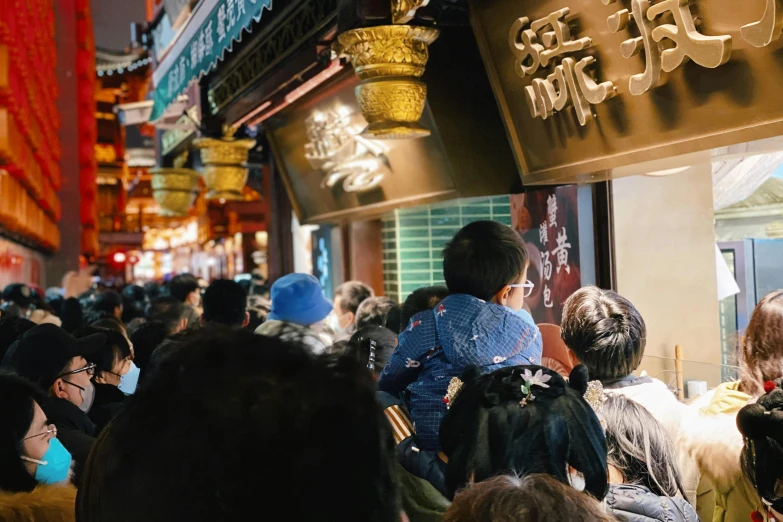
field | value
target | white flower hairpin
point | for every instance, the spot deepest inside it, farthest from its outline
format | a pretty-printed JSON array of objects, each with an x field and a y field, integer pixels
[{"x": 538, "y": 379}]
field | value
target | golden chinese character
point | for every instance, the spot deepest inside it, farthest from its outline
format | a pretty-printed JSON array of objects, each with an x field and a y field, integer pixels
[
  {"x": 639, "y": 84},
  {"x": 568, "y": 84},
  {"x": 555, "y": 41},
  {"x": 768, "y": 29},
  {"x": 707, "y": 51}
]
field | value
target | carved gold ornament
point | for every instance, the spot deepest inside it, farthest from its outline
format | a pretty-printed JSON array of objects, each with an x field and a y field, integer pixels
[
  {"x": 225, "y": 165},
  {"x": 403, "y": 11},
  {"x": 389, "y": 60},
  {"x": 175, "y": 190},
  {"x": 768, "y": 29}
]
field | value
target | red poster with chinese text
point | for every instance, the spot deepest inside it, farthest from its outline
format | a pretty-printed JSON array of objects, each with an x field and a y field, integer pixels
[{"x": 547, "y": 219}]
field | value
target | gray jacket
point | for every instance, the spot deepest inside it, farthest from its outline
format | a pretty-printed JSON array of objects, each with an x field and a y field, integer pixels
[{"x": 638, "y": 504}]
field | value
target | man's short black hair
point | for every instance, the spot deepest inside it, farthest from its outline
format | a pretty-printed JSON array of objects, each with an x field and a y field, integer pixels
[
  {"x": 605, "y": 331},
  {"x": 482, "y": 258},
  {"x": 182, "y": 286},
  {"x": 352, "y": 294},
  {"x": 225, "y": 302},
  {"x": 107, "y": 302},
  {"x": 281, "y": 426},
  {"x": 421, "y": 300},
  {"x": 168, "y": 310},
  {"x": 379, "y": 311},
  {"x": 146, "y": 338}
]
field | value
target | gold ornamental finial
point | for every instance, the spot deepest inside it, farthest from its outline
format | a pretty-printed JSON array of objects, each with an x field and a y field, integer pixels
[
  {"x": 389, "y": 60},
  {"x": 228, "y": 132},
  {"x": 403, "y": 11}
]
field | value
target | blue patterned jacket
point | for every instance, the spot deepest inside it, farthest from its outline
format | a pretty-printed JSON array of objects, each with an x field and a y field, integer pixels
[{"x": 440, "y": 343}]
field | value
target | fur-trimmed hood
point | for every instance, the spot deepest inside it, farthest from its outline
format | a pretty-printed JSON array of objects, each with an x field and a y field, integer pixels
[
  {"x": 43, "y": 504},
  {"x": 711, "y": 436}
]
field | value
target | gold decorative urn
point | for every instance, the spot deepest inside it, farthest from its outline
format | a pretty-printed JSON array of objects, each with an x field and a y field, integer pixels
[
  {"x": 175, "y": 190},
  {"x": 225, "y": 165},
  {"x": 389, "y": 60}
]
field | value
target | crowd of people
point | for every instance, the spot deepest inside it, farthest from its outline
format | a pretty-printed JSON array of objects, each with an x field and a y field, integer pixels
[{"x": 242, "y": 401}]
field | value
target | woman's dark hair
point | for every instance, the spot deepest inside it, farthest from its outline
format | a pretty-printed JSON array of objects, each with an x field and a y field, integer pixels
[
  {"x": 11, "y": 329},
  {"x": 134, "y": 293},
  {"x": 152, "y": 290},
  {"x": 605, "y": 331},
  {"x": 280, "y": 426},
  {"x": 482, "y": 258},
  {"x": 379, "y": 311},
  {"x": 761, "y": 424},
  {"x": 183, "y": 285},
  {"x": 168, "y": 310},
  {"x": 131, "y": 309},
  {"x": 107, "y": 302},
  {"x": 146, "y": 338},
  {"x": 487, "y": 430},
  {"x": 115, "y": 349},
  {"x": 762, "y": 345},
  {"x": 373, "y": 347},
  {"x": 640, "y": 448},
  {"x": 534, "y": 498},
  {"x": 111, "y": 323},
  {"x": 421, "y": 300},
  {"x": 17, "y": 402}
]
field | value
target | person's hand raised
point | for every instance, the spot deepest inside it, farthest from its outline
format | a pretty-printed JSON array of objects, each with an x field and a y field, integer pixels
[{"x": 76, "y": 283}]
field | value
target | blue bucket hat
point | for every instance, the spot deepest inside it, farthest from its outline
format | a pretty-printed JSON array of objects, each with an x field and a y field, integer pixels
[{"x": 298, "y": 299}]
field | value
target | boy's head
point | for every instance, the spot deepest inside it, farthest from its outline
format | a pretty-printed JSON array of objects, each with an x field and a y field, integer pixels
[
  {"x": 225, "y": 302},
  {"x": 605, "y": 331},
  {"x": 484, "y": 260}
]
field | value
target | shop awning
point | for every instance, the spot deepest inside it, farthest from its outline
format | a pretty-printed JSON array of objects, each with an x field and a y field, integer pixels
[{"x": 212, "y": 30}]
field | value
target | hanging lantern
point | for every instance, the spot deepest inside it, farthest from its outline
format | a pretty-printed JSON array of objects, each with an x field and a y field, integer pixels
[
  {"x": 389, "y": 60},
  {"x": 175, "y": 190},
  {"x": 225, "y": 165}
]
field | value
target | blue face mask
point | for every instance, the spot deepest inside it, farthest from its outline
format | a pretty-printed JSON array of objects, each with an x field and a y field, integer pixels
[
  {"x": 55, "y": 465},
  {"x": 129, "y": 381}
]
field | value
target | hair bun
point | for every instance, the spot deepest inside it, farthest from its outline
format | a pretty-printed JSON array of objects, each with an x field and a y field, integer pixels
[
  {"x": 579, "y": 379},
  {"x": 753, "y": 421}
]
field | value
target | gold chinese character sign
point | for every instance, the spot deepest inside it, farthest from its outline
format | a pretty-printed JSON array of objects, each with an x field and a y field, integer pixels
[
  {"x": 768, "y": 29},
  {"x": 569, "y": 83}
]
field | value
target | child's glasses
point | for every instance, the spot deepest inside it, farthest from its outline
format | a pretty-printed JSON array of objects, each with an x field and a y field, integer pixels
[{"x": 527, "y": 285}]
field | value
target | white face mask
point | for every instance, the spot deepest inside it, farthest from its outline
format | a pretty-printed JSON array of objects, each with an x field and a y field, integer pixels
[
  {"x": 577, "y": 480},
  {"x": 333, "y": 322}
]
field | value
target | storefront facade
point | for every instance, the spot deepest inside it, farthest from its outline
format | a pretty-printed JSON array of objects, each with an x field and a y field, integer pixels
[{"x": 642, "y": 96}]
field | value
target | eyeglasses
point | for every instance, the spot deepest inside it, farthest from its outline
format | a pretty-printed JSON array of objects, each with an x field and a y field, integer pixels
[
  {"x": 50, "y": 429},
  {"x": 90, "y": 369},
  {"x": 527, "y": 285}
]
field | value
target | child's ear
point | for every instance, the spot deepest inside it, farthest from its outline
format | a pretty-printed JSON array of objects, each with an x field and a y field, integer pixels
[{"x": 502, "y": 297}]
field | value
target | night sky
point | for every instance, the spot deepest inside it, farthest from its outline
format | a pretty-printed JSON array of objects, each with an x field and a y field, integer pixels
[{"x": 112, "y": 19}]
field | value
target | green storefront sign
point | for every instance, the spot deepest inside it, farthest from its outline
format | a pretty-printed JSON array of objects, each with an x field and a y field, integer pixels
[{"x": 217, "y": 33}]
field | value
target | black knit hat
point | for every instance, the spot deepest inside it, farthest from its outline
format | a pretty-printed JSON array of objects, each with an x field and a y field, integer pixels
[
  {"x": 42, "y": 353},
  {"x": 498, "y": 423}
]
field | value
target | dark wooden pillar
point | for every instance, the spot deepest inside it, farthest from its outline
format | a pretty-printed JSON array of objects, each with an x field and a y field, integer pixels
[{"x": 281, "y": 241}]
